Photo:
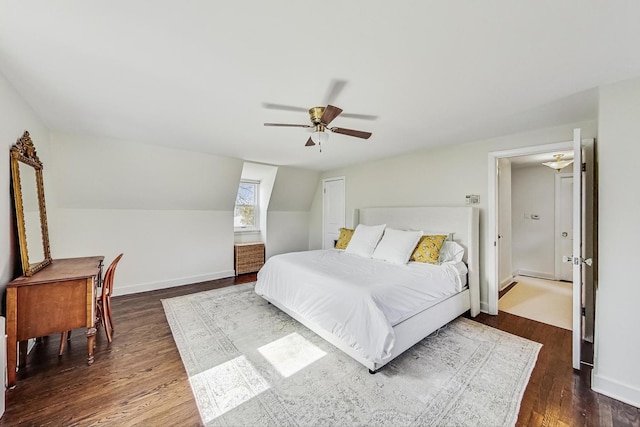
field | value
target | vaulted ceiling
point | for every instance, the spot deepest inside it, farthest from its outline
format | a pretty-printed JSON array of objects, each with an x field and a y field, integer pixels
[{"x": 197, "y": 75}]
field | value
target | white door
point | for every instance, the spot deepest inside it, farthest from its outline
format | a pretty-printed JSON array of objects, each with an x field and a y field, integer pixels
[
  {"x": 333, "y": 211},
  {"x": 504, "y": 223},
  {"x": 577, "y": 248},
  {"x": 564, "y": 232},
  {"x": 589, "y": 236}
]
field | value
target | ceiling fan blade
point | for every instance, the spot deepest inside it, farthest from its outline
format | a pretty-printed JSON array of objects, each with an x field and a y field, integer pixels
[
  {"x": 309, "y": 143},
  {"x": 288, "y": 125},
  {"x": 284, "y": 107},
  {"x": 359, "y": 116},
  {"x": 330, "y": 113},
  {"x": 351, "y": 132},
  {"x": 334, "y": 90}
]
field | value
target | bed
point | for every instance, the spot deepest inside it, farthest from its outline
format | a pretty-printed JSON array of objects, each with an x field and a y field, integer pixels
[{"x": 371, "y": 309}]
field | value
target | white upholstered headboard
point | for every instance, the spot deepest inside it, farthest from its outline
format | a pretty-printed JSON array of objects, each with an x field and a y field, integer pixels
[{"x": 463, "y": 222}]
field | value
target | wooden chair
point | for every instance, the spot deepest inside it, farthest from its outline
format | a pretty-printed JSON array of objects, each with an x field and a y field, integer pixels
[
  {"x": 103, "y": 301},
  {"x": 103, "y": 306}
]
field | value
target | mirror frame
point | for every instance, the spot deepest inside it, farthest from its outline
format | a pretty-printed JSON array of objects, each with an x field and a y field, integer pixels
[{"x": 23, "y": 151}]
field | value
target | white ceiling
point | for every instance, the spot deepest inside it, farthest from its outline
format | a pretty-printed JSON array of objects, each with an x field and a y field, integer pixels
[{"x": 195, "y": 74}]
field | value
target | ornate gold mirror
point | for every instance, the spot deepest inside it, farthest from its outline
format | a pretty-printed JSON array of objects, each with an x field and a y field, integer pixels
[{"x": 31, "y": 213}]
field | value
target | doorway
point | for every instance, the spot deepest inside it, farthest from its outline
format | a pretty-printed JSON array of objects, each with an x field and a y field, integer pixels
[
  {"x": 534, "y": 211},
  {"x": 498, "y": 238},
  {"x": 333, "y": 210},
  {"x": 583, "y": 293}
]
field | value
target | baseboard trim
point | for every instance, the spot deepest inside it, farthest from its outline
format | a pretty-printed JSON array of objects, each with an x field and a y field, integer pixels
[
  {"x": 152, "y": 286},
  {"x": 537, "y": 274},
  {"x": 506, "y": 282},
  {"x": 615, "y": 389}
]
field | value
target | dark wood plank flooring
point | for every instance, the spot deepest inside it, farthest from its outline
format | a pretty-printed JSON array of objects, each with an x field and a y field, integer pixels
[{"x": 139, "y": 378}]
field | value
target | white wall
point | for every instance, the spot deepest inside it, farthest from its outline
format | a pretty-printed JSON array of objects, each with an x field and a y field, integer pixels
[
  {"x": 288, "y": 232},
  {"x": 617, "y": 347},
  {"x": 294, "y": 189},
  {"x": 533, "y": 193},
  {"x": 15, "y": 117},
  {"x": 288, "y": 216},
  {"x": 441, "y": 176},
  {"x": 169, "y": 211}
]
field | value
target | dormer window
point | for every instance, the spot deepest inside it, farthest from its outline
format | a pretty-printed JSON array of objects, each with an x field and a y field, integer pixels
[{"x": 246, "y": 214}]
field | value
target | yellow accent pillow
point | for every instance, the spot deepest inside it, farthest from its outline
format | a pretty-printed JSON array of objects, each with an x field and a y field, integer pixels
[
  {"x": 428, "y": 249},
  {"x": 345, "y": 238}
]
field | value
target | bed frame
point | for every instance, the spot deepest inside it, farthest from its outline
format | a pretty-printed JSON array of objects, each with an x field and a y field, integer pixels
[{"x": 460, "y": 222}]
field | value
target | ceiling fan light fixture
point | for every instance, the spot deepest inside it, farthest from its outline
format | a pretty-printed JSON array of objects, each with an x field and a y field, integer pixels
[
  {"x": 558, "y": 163},
  {"x": 319, "y": 136}
]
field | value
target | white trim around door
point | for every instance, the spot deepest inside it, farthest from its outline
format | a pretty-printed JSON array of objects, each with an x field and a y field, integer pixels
[{"x": 492, "y": 248}]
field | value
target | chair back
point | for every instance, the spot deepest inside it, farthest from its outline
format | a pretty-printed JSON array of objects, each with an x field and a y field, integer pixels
[{"x": 107, "y": 284}]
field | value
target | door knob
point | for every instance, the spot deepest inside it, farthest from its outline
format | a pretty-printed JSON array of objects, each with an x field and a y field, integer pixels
[
  {"x": 576, "y": 261},
  {"x": 565, "y": 234}
]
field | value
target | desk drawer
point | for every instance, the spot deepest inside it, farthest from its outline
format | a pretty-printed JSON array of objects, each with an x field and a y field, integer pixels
[{"x": 49, "y": 308}]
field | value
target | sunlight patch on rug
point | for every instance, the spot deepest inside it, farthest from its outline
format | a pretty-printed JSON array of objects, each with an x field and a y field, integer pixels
[
  {"x": 226, "y": 386},
  {"x": 291, "y": 353}
]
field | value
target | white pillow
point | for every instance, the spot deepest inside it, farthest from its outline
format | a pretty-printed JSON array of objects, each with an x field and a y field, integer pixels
[
  {"x": 397, "y": 246},
  {"x": 364, "y": 239},
  {"x": 451, "y": 252}
]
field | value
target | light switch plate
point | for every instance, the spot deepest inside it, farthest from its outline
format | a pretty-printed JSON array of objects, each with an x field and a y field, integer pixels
[{"x": 472, "y": 199}]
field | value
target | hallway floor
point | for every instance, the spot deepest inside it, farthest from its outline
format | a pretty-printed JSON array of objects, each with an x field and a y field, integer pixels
[{"x": 546, "y": 301}]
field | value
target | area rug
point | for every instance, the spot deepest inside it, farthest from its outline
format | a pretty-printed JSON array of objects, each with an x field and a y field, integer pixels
[
  {"x": 545, "y": 301},
  {"x": 251, "y": 364}
]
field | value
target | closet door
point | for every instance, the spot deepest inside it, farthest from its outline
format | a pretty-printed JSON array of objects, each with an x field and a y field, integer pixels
[{"x": 333, "y": 210}]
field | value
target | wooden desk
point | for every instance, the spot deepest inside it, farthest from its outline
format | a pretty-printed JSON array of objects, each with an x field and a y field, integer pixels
[{"x": 58, "y": 298}]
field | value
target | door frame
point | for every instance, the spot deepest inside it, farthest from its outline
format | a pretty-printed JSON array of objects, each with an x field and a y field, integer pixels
[
  {"x": 344, "y": 219},
  {"x": 493, "y": 255}
]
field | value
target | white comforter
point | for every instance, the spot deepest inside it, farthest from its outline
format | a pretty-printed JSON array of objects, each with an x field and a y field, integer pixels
[{"x": 358, "y": 299}]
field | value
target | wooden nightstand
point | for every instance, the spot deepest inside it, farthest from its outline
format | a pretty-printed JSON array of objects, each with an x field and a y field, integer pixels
[{"x": 248, "y": 257}]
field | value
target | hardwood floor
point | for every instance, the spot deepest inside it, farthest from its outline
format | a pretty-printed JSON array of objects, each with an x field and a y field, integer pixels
[
  {"x": 139, "y": 378},
  {"x": 556, "y": 394}
]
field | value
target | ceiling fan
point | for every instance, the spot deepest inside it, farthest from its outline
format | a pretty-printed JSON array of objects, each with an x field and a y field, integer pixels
[{"x": 320, "y": 117}]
